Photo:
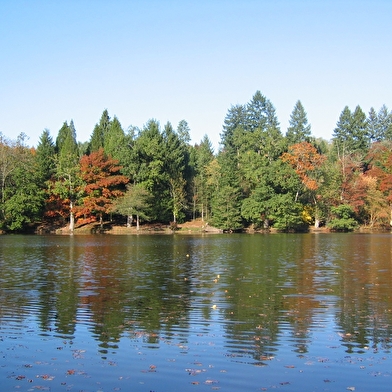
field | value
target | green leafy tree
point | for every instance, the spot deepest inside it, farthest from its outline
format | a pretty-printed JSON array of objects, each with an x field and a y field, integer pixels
[
  {"x": 257, "y": 207},
  {"x": 8, "y": 163},
  {"x": 343, "y": 218},
  {"x": 22, "y": 199},
  {"x": 135, "y": 201},
  {"x": 286, "y": 214}
]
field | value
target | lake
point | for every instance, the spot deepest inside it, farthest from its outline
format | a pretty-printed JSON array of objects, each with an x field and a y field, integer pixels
[{"x": 263, "y": 312}]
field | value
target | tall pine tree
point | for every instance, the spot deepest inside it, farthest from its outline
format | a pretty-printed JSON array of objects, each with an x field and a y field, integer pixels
[{"x": 299, "y": 130}]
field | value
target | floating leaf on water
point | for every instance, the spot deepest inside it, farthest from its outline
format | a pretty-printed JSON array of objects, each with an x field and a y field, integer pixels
[
  {"x": 47, "y": 377},
  {"x": 209, "y": 382}
]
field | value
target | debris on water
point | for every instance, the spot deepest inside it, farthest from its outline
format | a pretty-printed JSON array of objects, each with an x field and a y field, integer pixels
[{"x": 209, "y": 382}]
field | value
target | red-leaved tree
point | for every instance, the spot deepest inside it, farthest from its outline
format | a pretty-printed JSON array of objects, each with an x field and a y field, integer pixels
[{"x": 103, "y": 183}]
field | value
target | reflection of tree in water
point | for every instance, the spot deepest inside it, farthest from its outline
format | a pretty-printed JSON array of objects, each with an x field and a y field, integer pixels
[
  {"x": 137, "y": 289},
  {"x": 365, "y": 316},
  {"x": 259, "y": 293},
  {"x": 44, "y": 279},
  {"x": 303, "y": 284},
  {"x": 254, "y": 300}
]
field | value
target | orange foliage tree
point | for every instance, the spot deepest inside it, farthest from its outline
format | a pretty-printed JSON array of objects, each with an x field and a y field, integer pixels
[
  {"x": 56, "y": 207},
  {"x": 380, "y": 167},
  {"x": 103, "y": 183},
  {"x": 305, "y": 159}
]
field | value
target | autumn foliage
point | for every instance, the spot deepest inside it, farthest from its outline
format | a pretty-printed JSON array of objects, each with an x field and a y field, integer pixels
[
  {"x": 305, "y": 159},
  {"x": 103, "y": 183},
  {"x": 260, "y": 178}
]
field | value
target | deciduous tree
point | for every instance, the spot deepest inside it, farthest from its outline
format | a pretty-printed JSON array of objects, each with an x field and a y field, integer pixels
[
  {"x": 103, "y": 184},
  {"x": 135, "y": 201}
]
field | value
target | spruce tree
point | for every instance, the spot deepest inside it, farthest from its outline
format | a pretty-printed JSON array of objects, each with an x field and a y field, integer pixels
[
  {"x": 67, "y": 170},
  {"x": 384, "y": 124},
  {"x": 45, "y": 157},
  {"x": 299, "y": 130},
  {"x": 234, "y": 119},
  {"x": 114, "y": 142},
  {"x": 100, "y": 133}
]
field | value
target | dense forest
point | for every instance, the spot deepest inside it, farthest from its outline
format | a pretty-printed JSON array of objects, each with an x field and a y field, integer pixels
[{"x": 260, "y": 178}]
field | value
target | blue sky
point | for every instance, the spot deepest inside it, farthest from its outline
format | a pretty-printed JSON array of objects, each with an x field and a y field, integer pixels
[{"x": 173, "y": 60}]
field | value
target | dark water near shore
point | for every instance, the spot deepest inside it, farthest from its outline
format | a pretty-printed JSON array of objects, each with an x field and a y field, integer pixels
[{"x": 310, "y": 312}]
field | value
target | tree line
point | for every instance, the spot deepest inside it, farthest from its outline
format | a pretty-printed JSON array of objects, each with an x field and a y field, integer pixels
[{"x": 260, "y": 178}]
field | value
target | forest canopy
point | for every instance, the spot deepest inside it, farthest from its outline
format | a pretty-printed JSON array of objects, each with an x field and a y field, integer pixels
[{"x": 261, "y": 177}]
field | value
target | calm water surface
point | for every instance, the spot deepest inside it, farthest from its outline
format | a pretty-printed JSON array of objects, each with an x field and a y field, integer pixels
[{"x": 309, "y": 312}]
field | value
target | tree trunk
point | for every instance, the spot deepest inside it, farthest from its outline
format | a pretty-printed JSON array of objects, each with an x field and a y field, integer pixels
[
  {"x": 266, "y": 223},
  {"x": 71, "y": 218},
  {"x": 316, "y": 214},
  {"x": 129, "y": 220},
  {"x": 137, "y": 222}
]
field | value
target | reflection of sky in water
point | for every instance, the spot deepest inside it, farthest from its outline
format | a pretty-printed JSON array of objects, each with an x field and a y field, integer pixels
[{"x": 224, "y": 320}]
